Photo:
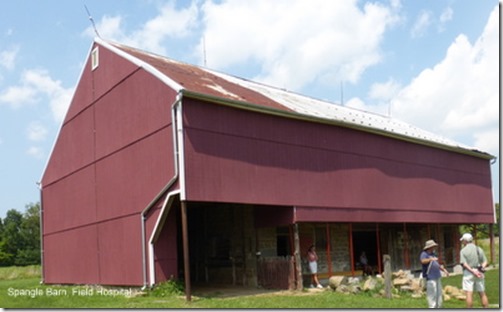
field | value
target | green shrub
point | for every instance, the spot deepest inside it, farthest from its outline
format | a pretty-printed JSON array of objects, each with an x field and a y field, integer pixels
[{"x": 168, "y": 288}]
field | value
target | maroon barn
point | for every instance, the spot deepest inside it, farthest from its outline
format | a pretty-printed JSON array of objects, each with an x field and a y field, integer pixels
[{"x": 163, "y": 169}]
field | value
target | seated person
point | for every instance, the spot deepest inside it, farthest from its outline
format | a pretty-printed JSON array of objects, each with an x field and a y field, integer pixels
[{"x": 367, "y": 269}]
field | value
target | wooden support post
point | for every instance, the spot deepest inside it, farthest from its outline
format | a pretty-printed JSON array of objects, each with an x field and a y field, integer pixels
[
  {"x": 387, "y": 275},
  {"x": 233, "y": 261},
  {"x": 298, "y": 267},
  {"x": 406, "y": 247},
  {"x": 186, "y": 262},
  {"x": 351, "y": 258},
  {"x": 491, "y": 242},
  {"x": 329, "y": 257},
  {"x": 378, "y": 239},
  {"x": 457, "y": 244},
  {"x": 440, "y": 244}
]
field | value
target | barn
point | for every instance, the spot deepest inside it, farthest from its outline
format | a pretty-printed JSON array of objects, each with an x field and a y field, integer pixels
[{"x": 163, "y": 170}]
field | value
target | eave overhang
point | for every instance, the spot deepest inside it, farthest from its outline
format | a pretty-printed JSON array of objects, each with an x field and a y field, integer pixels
[{"x": 294, "y": 115}]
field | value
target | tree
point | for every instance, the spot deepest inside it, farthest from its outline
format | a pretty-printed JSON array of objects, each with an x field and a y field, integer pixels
[
  {"x": 30, "y": 235},
  {"x": 11, "y": 241},
  {"x": 482, "y": 230},
  {"x": 20, "y": 237}
]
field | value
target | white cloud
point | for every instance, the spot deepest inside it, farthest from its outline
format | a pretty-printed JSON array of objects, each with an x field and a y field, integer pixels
[
  {"x": 357, "y": 103},
  {"x": 59, "y": 102},
  {"x": 8, "y": 57},
  {"x": 423, "y": 21},
  {"x": 36, "y": 152},
  {"x": 382, "y": 96},
  {"x": 36, "y": 131},
  {"x": 396, "y": 4},
  {"x": 485, "y": 140},
  {"x": 33, "y": 85},
  {"x": 326, "y": 41},
  {"x": 17, "y": 96},
  {"x": 445, "y": 17},
  {"x": 384, "y": 91},
  {"x": 459, "y": 96},
  {"x": 151, "y": 36},
  {"x": 109, "y": 27}
]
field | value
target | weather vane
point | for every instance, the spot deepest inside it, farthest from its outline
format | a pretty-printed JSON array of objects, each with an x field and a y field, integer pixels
[{"x": 92, "y": 21}]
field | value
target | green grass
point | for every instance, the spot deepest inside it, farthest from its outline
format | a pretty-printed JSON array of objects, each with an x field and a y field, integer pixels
[
  {"x": 169, "y": 295},
  {"x": 14, "y": 272},
  {"x": 484, "y": 244}
]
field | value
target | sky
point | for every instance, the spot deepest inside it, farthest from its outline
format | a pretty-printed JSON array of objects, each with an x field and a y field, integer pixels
[{"x": 431, "y": 63}]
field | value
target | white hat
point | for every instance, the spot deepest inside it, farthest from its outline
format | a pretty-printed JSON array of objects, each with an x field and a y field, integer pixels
[
  {"x": 466, "y": 237},
  {"x": 429, "y": 244}
]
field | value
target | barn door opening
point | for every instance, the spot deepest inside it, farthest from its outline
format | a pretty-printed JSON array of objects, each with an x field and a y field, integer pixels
[{"x": 365, "y": 241}]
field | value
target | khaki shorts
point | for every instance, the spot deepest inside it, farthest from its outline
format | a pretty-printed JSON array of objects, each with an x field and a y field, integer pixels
[{"x": 473, "y": 283}]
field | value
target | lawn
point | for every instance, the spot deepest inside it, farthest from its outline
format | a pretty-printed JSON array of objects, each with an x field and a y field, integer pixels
[{"x": 25, "y": 291}]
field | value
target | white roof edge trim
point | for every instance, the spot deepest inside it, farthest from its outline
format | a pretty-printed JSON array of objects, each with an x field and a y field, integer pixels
[
  {"x": 64, "y": 117},
  {"x": 149, "y": 68},
  {"x": 329, "y": 111}
]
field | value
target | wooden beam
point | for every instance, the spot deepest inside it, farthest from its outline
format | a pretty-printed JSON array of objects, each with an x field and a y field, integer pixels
[
  {"x": 491, "y": 242},
  {"x": 439, "y": 249},
  {"x": 378, "y": 239},
  {"x": 387, "y": 276},
  {"x": 351, "y": 259},
  {"x": 329, "y": 258},
  {"x": 406, "y": 247},
  {"x": 457, "y": 244},
  {"x": 298, "y": 267},
  {"x": 186, "y": 262}
]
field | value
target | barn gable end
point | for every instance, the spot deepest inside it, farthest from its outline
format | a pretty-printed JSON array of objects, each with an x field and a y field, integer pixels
[{"x": 113, "y": 155}]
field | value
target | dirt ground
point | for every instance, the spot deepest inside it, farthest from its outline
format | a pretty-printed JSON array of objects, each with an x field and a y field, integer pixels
[{"x": 226, "y": 291}]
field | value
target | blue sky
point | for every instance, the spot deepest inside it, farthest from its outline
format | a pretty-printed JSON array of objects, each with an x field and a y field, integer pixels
[{"x": 431, "y": 63}]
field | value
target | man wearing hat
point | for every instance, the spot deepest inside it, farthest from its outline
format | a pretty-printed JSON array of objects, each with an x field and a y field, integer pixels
[
  {"x": 432, "y": 274},
  {"x": 474, "y": 261}
]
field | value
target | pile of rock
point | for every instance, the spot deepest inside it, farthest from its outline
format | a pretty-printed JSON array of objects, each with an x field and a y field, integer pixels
[
  {"x": 354, "y": 285},
  {"x": 402, "y": 281},
  {"x": 346, "y": 285},
  {"x": 405, "y": 281},
  {"x": 451, "y": 292}
]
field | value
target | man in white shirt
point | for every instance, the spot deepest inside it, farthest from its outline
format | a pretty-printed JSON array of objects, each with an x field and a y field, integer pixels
[{"x": 474, "y": 261}]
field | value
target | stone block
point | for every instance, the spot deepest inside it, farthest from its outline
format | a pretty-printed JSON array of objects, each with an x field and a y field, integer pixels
[
  {"x": 401, "y": 281},
  {"x": 336, "y": 280},
  {"x": 370, "y": 284}
]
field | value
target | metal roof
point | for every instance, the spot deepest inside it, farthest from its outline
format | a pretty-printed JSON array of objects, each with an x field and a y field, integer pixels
[
  {"x": 214, "y": 85},
  {"x": 322, "y": 109}
]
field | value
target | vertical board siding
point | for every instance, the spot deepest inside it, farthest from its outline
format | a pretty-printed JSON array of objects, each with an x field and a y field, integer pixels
[
  {"x": 70, "y": 257},
  {"x": 70, "y": 202},
  {"x": 131, "y": 112},
  {"x": 113, "y": 155},
  {"x": 120, "y": 256},
  {"x": 240, "y": 156},
  {"x": 128, "y": 180},
  {"x": 166, "y": 252},
  {"x": 74, "y": 148},
  {"x": 276, "y": 273}
]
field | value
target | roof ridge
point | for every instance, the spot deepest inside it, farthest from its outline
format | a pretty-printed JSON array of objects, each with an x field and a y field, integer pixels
[{"x": 120, "y": 50}]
